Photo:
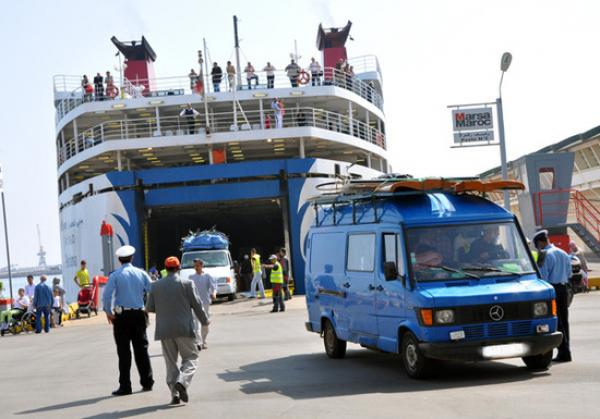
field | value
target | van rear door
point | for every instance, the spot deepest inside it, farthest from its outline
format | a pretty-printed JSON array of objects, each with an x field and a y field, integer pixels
[
  {"x": 360, "y": 285},
  {"x": 390, "y": 304}
]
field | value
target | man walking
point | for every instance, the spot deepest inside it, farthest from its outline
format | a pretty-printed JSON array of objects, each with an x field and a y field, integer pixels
[
  {"x": 206, "y": 288},
  {"x": 556, "y": 270},
  {"x": 276, "y": 278},
  {"x": 257, "y": 278},
  {"x": 173, "y": 299},
  {"x": 42, "y": 301},
  {"x": 128, "y": 286}
]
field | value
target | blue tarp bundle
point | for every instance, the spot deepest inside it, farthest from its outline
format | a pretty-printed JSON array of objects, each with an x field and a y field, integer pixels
[{"x": 210, "y": 239}]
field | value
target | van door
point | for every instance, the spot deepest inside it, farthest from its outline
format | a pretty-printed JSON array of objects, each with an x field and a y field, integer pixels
[
  {"x": 360, "y": 286},
  {"x": 390, "y": 307}
]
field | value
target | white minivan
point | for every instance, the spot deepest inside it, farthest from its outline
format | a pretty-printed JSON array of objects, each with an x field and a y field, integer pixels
[{"x": 217, "y": 263}]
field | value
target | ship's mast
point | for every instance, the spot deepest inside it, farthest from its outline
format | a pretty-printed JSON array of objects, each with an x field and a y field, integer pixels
[{"x": 237, "y": 51}]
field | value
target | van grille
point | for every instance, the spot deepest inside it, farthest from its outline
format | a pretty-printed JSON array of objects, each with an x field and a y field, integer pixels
[{"x": 497, "y": 330}]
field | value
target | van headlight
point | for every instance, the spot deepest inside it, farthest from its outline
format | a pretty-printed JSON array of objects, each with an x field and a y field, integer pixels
[
  {"x": 444, "y": 316},
  {"x": 540, "y": 309}
]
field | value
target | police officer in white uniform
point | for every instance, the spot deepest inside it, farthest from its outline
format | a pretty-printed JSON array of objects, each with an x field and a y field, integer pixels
[{"x": 123, "y": 301}]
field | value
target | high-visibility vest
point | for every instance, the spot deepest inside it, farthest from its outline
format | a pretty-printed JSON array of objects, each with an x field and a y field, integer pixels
[
  {"x": 277, "y": 274},
  {"x": 256, "y": 268},
  {"x": 535, "y": 255},
  {"x": 163, "y": 273}
]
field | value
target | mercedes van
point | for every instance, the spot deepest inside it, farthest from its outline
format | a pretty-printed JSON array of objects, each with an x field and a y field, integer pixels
[{"x": 431, "y": 270}]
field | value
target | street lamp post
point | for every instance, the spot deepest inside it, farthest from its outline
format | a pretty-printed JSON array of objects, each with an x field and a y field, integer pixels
[
  {"x": 6, "y": 240},
  {"x": 504, "y": 65}
]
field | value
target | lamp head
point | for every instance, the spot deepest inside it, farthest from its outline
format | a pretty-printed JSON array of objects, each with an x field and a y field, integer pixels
[{"x": 505, "y": 62}]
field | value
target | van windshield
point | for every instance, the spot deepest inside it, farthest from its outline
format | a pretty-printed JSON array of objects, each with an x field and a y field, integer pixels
[
  {"x": 467, "y": 251},
  {"x": 212, "y": 258}
]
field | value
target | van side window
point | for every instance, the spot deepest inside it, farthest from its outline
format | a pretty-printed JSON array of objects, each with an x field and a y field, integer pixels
[
  {"x": 392, "y": 251},
  {"x": 361, "y": 253}
]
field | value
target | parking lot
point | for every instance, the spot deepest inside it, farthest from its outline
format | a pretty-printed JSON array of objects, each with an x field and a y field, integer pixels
[{"x": 263, "y": 365}]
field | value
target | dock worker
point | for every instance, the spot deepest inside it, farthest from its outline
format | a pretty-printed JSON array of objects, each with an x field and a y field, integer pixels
[
  {"x": 257, "y": 272},
  {"x": 556, "y": 270},
  {"x": 276, "y": 279},
  {"x": 285, "y": 264},
  {"x": 42, "y": 302},
  {"x": 82, "y": 277},
  {"x": 206, "y": 287},
  {"x": 128, "y": 286},
  {"x": 173, "y": 299}
]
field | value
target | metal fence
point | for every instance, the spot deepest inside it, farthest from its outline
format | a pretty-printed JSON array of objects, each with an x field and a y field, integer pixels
[
  {"x": 175, "y": 86},
  {"x": 218, "y": 122}
]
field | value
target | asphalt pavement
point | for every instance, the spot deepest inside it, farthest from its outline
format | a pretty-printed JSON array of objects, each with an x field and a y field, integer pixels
[{"x": 264, "y": 365}]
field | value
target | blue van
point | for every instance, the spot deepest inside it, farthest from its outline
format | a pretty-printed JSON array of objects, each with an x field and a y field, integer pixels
[{"x": 429, "y": 274}]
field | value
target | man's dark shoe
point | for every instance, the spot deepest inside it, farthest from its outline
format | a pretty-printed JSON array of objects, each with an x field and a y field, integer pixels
[
  {"x": 274, "y": 311},
  {"x": 562, "y": 359},
  {"x": 121, "y": 392},
  {"x": 147, "y": 388},
  {"x": 182, "y": 392},
  {"x": 175, "y": 400}
]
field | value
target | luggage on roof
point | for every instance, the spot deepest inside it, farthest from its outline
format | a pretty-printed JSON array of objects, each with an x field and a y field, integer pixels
[{"x": 205, "y": 240}]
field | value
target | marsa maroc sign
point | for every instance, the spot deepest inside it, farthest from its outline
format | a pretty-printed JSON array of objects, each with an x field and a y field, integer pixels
[{"x": 472, "y": 119}]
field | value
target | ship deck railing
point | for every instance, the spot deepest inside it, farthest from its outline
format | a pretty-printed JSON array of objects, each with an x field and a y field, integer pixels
[
  {"x": 218, "y": 122},
  {"x": 69, "y": 93}
]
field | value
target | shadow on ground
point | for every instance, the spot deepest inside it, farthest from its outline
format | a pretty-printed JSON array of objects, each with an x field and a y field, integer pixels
[{"x": 362, "y": 372}]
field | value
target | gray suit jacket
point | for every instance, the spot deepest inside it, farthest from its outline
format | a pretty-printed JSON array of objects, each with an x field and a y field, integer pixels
[{"x": 173, "y": 299}]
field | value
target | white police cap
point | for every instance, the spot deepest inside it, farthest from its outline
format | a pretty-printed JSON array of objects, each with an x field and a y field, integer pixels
[
  {"x": 125, "y": 251},
  {"x": 540, "y": 235}
]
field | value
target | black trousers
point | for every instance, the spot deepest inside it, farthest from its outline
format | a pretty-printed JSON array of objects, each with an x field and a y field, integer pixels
[
  {"x": 129, "y": 329},
  {"x": 562, "y": 311},
  {"x": 278, "y": 304}
]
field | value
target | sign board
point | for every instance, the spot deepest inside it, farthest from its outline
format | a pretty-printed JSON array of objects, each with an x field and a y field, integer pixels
[
  {"x": 473, "y": 136},
  {"x": 472, "y": 119}
]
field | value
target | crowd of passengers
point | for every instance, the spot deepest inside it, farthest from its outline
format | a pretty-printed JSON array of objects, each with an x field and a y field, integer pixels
[{"x": 104, "y": 88}]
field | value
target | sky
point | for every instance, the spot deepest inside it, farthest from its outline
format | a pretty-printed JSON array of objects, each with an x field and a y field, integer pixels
[{"x": 432, "y": 54}]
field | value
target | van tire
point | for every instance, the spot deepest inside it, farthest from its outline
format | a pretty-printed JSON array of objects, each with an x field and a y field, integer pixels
[
  {"x": 334, "y": 347},
  {"x": 415, "y": 363},
  {"x": 231, "y": 297},
  {"x": 539, "y": 362}
]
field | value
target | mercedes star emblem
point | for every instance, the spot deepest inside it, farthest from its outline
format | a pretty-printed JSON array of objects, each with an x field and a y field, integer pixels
[{"x": 496, "y": 313}]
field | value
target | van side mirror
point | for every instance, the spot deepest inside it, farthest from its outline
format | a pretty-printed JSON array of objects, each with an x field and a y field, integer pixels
[{"x": 390, "y": 271}]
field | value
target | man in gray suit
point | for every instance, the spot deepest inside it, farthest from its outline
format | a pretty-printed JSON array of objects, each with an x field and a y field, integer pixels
[{"x": 173, "y": 299}]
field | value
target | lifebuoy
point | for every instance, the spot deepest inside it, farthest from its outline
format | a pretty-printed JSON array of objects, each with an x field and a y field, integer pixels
[
  {"x": 89, "y": 88},
  {"x": 303, "y": 77},
  {"x": 112, "y": 91}
]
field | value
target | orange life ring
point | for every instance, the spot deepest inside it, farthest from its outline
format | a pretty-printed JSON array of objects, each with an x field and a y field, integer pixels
[
  {"x": 112, "y": 91},
  {"x": 303, "y": 77}
]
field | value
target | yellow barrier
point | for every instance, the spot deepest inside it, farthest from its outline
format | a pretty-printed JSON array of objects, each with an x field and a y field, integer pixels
[{"x": 594, "y": 282}]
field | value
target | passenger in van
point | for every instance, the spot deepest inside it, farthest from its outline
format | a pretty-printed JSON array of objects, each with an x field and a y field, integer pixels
[
  {"x": 486, "y": 248},
  {"x": 428, "y": 263}
]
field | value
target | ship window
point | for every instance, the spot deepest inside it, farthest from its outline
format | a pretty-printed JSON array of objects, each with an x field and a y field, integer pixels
[{"x": 547, "y": 178}]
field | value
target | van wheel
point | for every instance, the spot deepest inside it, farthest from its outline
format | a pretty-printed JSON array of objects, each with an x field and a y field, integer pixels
[
  {"x": 231, "y": 297},
  {"x": 539, "y": 362},
  {"x": 334, "y": 347},
  {"x": 415, "y": 363}
]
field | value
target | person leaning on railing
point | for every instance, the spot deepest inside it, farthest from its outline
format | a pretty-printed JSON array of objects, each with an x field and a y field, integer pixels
[
  {"x": 293, "y": 70},
  {"x": 217, "y": 76},
  {"x": 270, "y": 70},
  {"x": 315, "y": 72},
  {"x": 190, "y": 114},
  {"x": 251, "y": 75}
]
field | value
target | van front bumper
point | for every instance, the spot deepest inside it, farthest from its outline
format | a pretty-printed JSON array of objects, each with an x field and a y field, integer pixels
[{"x": 492, "y": 349}]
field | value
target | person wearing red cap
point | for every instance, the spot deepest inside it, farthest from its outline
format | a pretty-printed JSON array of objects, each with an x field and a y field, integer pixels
[{"x": 175, "y": 301}]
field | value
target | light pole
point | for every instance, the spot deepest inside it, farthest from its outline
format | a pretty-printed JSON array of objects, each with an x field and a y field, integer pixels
[
  {"x": 504, "y": 64},
  {"x": 6, "y": 239}
]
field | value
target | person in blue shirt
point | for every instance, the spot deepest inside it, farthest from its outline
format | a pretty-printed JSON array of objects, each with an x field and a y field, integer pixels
[
  {"x": 42, "y": 301},
  {"x": 123, "y": 302},
  {"x": 556, "y": 270}
]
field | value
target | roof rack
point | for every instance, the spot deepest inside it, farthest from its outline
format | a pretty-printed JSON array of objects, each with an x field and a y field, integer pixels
[{"x": 361, "y": 191}]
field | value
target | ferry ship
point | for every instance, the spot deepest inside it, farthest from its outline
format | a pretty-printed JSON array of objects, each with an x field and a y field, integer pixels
[{"x": 132, "y": 170}]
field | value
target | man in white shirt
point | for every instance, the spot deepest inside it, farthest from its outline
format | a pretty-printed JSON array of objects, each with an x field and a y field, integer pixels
[
  {"x": 30, "y": 287},
  {"x": 189, "y": 115},
  {"x": 315, "y": 72},
  {"x": 251, "y": 75},
  {"x": 270, "y": 70},
  {"x": 207, "y": 291}
]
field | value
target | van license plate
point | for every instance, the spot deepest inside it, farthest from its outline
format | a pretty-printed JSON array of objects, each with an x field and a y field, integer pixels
[
  {"x": 457, "y": 335},
  {"x": 511, "y": 350}
]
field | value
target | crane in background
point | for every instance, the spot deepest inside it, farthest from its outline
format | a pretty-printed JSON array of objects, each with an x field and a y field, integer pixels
[{"x": 41, "y": 253}]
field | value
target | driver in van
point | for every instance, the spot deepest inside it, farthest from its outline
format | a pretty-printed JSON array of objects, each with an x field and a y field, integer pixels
[{"x": 486, "y": 247}]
